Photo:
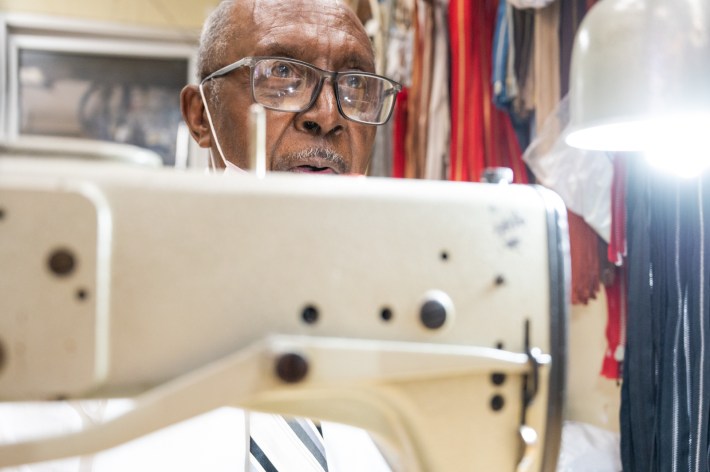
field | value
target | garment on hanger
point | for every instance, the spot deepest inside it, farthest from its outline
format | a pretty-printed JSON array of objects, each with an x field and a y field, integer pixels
[
  {"x": 394, "y": 57},
  {"x": 399, "y": 131},
  {"x": 482, "y": 135},
  {"x": 523, "y": 29},
  {"x": 439, "y": 129},
  {"x": 377, "y": 27},
  {"x": 513, "y": 81},
  {"x": 400, "y": 42},
  {"x": 546, "y": 60},
  {"x": 420, "y": 92},
  {"x": 505, "y": 85}
]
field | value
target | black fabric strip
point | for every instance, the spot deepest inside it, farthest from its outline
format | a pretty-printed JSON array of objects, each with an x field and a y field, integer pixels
[{"x": 260, "y": 457}]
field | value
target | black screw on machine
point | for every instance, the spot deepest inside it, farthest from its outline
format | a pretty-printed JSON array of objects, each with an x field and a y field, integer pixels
[
  {"x": 61, "y": 262},
  {"x": 291, "y": 367}
]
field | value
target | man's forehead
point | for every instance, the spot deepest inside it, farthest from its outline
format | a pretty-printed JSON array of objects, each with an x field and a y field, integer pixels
[
  {"x": 279, "y": 26},
  {"x": 267, "y": 3},
  {"x": 270, "y": 4},
  {"x": 264, "y": 11}
]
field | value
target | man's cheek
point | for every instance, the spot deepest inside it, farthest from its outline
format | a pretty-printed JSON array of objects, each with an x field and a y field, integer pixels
[
  {"x": 280, "y": 134},
  {"x": 235, "y": 133},
  {"x": 365, "y": 148}
]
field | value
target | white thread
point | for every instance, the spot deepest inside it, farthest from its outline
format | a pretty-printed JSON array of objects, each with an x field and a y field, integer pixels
[{"x": 213, "y": 130}]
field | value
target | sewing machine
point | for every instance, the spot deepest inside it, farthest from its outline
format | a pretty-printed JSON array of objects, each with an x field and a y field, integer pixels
[{"x": 432, "y": 314}]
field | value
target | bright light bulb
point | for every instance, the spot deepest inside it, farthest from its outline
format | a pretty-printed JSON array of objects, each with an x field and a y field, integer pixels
[
  {"x": 677, "y": 144},
  {"x": 687, "y": 164}
]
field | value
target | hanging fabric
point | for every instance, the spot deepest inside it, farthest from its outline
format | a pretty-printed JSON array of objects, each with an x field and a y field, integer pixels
[
  {"x": 616, "y": 325},
  {"x": 585, "y": 264},
  {"x": 523, "y": 29},
  {"x": 546, "y": 62},
  {"x": 512, "y": 78},
  {"x": 439, "y": 130},
  {"x": 616, "y": 292},
  {"x": 420, "y": 93},
  {"x": 395, "y": 18},
  {"x": 505, "y": 86},
  {"x": 399, "y": 139},
  {"x": 666, "y": 389},
  {"x": 481, "y": 135}
]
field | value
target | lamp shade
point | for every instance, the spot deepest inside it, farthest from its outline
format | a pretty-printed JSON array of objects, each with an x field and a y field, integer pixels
[{"x": 640, "y": 76}]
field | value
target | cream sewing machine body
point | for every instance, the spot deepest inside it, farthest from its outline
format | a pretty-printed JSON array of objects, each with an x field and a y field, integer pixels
[{"x": 432, "y": 314}]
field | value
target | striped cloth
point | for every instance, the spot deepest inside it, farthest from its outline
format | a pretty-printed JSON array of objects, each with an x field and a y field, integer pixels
[{"x": 279, "y": 443}]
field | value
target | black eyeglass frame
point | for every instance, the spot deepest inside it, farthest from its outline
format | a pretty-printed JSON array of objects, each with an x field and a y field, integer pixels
[{"x": 251, "y": 61}]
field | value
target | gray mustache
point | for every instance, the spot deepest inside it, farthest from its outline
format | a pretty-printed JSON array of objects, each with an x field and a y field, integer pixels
[{"x": 308, "y": 155}]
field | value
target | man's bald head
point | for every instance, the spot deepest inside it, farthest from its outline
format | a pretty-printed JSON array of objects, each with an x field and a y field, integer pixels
[
  {"x": 234, "y": 18},
  {"x": 217, "y": 33}
]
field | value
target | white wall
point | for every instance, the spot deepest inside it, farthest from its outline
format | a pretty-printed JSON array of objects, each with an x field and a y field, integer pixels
[
  {"x": 590, "y": 398},
  {"x": 181, "y": 14}
]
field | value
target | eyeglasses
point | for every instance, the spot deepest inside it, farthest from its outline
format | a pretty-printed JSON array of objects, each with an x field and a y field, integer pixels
[{"x": 290, "y": 85}]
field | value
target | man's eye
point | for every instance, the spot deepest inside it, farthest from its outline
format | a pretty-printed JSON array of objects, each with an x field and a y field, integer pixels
[
  {"x": 355, "y": 81},
  {"x": 282, "y": 70}
]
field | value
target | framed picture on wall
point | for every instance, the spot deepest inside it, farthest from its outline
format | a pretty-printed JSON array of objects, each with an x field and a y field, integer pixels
[{"x": 122, "y": 89}]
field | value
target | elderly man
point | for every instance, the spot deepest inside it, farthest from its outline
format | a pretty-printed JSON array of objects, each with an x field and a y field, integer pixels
[{"x": 310, "y": 64}]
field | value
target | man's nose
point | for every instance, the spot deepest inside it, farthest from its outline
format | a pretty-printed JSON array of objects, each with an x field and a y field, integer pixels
[{"x": 323, "y": 117}]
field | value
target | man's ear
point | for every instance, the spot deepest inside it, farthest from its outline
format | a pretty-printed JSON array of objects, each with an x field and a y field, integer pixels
[{"x": 193, "y": 112}]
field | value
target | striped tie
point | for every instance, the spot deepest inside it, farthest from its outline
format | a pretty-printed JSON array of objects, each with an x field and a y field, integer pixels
[{"x": 280, "y": 444}]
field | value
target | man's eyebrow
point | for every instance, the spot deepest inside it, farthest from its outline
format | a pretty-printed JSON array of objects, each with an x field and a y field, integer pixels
[
  {"x": 281, "y": 50},
  {"x": 351, "y": 61},
  {"x": 356, "y": 61}
]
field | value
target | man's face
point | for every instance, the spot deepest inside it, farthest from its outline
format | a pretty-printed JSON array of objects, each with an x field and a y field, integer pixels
[{"x": 319, "y": 139}]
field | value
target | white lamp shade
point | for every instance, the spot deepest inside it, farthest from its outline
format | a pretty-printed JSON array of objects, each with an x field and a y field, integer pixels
[{"x": 641, "y": 72}]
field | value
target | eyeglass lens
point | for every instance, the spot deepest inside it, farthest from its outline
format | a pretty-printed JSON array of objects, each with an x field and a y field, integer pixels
[{"x": 290, "y": 86}]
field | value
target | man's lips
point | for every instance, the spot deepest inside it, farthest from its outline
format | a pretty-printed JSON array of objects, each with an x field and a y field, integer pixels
[{"x": 306, "y": 169}]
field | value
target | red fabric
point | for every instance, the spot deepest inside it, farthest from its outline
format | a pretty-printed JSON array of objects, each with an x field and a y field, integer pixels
[
  {"x": 584, "y": 255},
  {"x": 616, "y": 326},
  {"x": 399, "y": 130},
  {"x": 481, "y": 134},
  {"x": 616, "y": 292}
]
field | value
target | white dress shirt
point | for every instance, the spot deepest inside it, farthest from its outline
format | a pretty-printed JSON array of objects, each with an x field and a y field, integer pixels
[{"x": 216, "y": 441}]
